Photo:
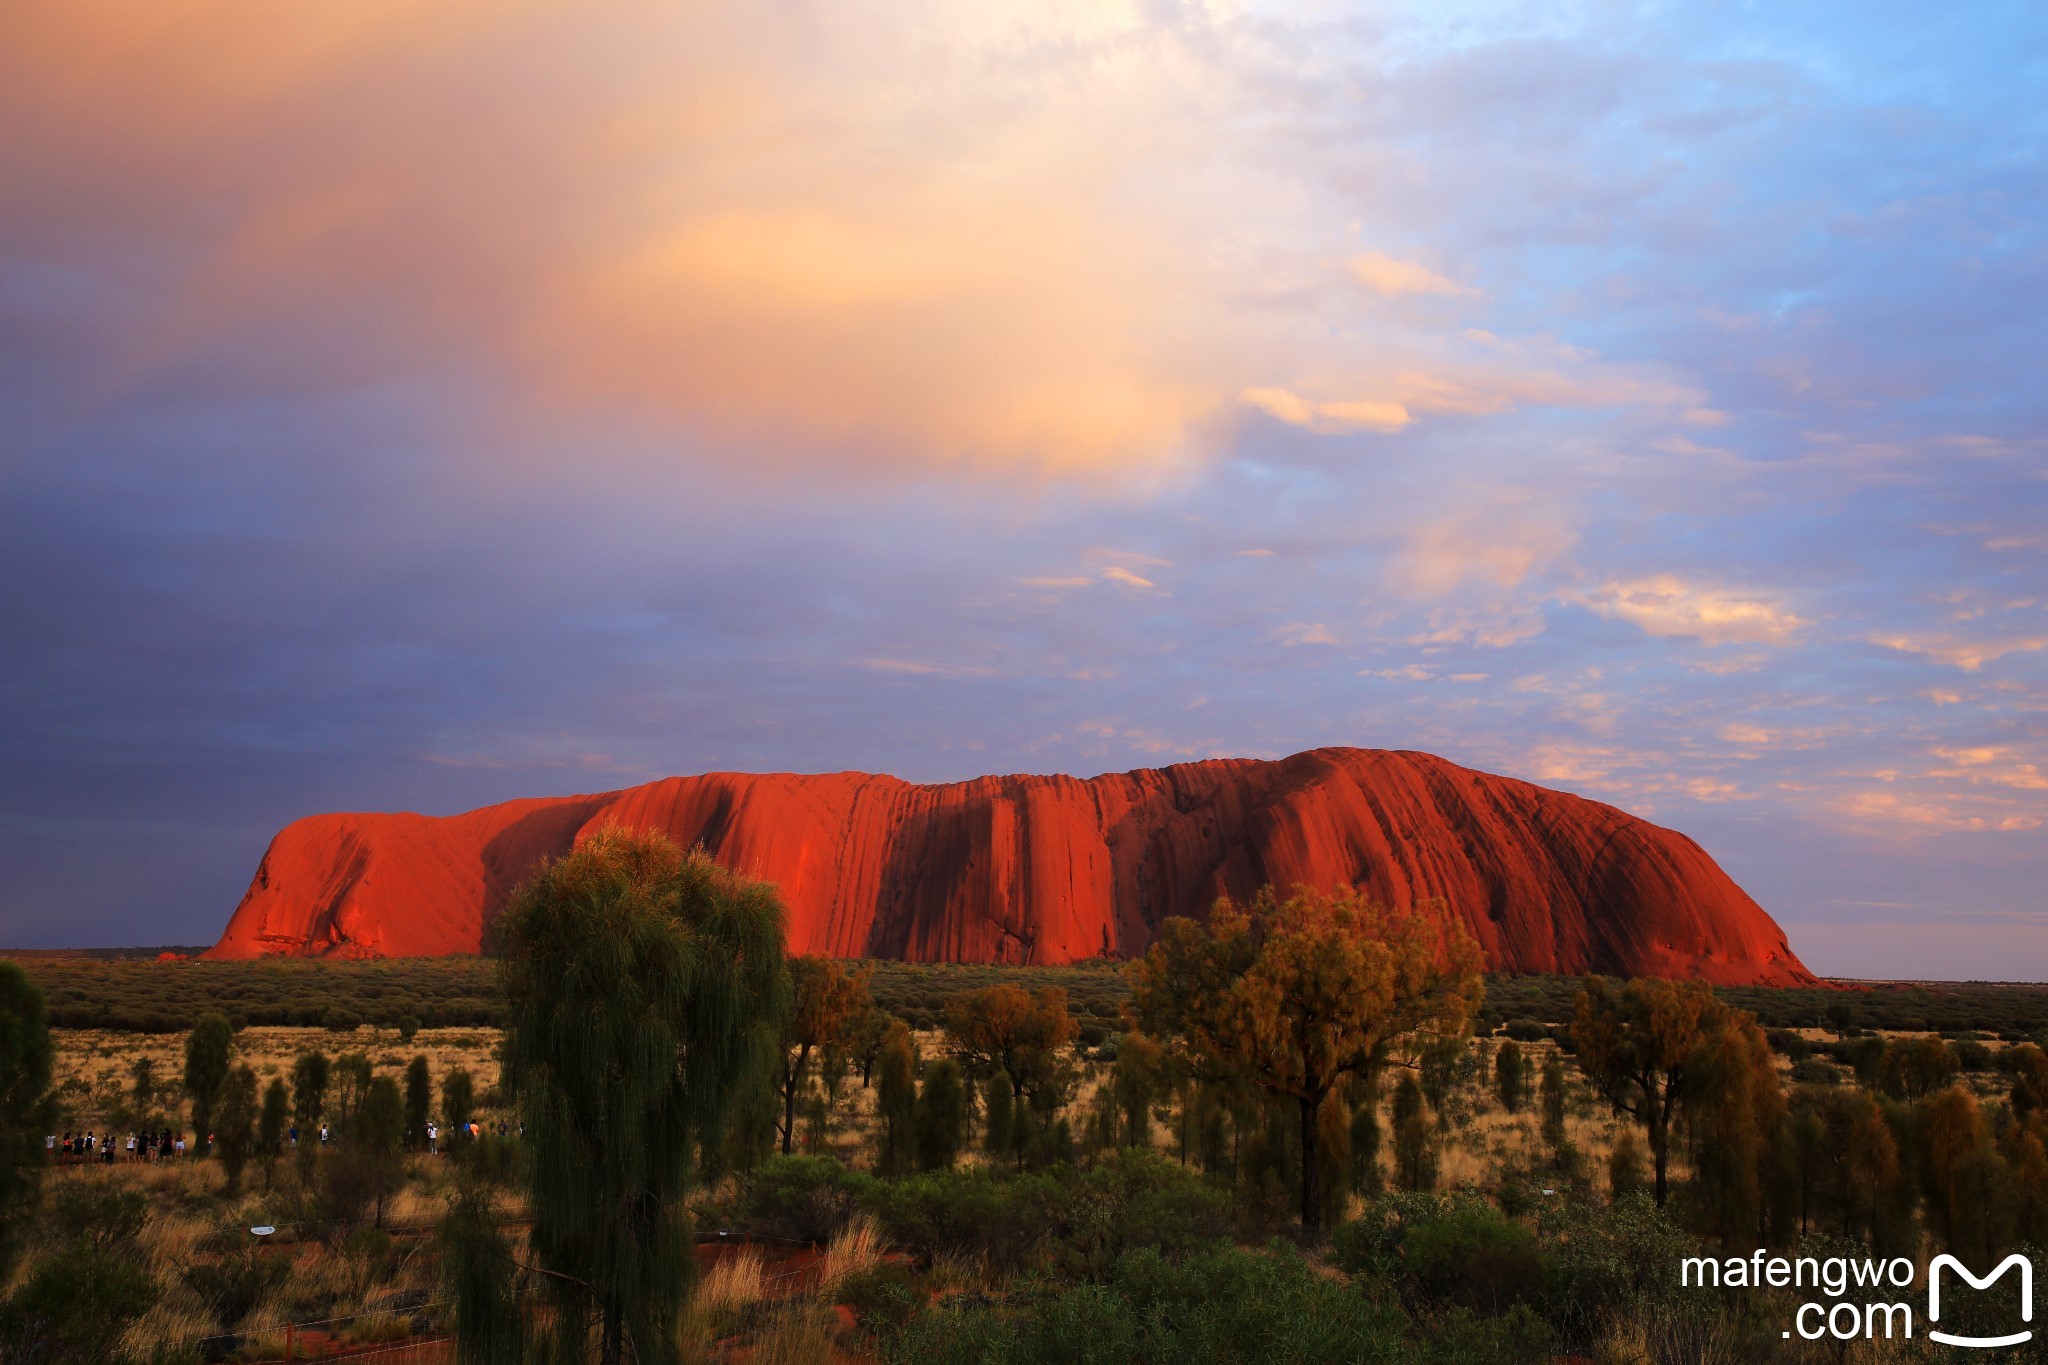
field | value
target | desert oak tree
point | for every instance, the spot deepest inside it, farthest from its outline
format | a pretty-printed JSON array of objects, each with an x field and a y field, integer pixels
[{"x": 1295, "y": 996}]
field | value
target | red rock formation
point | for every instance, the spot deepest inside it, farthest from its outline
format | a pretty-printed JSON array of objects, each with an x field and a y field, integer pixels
[{"x": 1055, "y": 869}]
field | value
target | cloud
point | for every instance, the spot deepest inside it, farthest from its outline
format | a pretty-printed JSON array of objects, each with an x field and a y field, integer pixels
[
  {"x": 1328, "y": 418},
  {"x": 1666, "y": 605},
  {"x": 1393, "y": 279},
  {"x": 1305, "y": 633},
  {"x": 1956, "y": 651}
]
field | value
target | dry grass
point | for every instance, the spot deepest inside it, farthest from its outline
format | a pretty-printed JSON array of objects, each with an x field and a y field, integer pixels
[{"x": 857, "y": 1247}]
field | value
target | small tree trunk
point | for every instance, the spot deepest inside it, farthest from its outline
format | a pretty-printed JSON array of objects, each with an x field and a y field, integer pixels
[
  {"x": 1311, "y": 1192},
  {"x": 790, "y": 1078}
]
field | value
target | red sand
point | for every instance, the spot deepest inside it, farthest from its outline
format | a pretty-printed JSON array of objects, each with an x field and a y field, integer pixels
[{"x": 1057, "y": 869}]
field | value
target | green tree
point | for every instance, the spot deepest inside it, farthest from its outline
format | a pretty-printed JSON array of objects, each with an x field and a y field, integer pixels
[
  {"x": 277, "y": 1110},
  {"x": 458, "y": 1102},
  {"x": 1911, "y": 1069},
  {"x": 1296, "y": 996},
  {"x": 352, "y": 1073},
  {"x": 235, "y": 1124},
  {"x": 1365, "y": 1135},
  {"x": 25, "y": 1107},
  {"x": 1414, "y": 1137},
  {"x": 827, "y": 1001},
  {"x": 419, "y": 1102},
  {"x": 999, "y": 1122},
  {"x": 1138, "y": 1077},
  {"x": 645, "y": 990},
  {"x": 142, "y": 1086},
  {"x": 2029, "y": 1067},
  {"x": 896, "y": 1101},
  {"x": 209, "y": 1052},
  {"x": 1510, "y": 1076},
  {"x": 941, "y": 1115},
  {"x": 1552, "y": 1098},
  {"x": 310, "y": 1074},
  {"x": 1636, "y": 1042},
  {"x": 378, "y": 1139}
]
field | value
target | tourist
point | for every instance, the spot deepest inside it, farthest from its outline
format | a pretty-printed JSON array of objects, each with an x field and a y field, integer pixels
[{"x": 433, "y": 1138}]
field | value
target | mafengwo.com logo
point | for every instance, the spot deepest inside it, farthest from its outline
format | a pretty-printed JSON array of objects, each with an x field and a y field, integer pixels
[{"x": 1869, "y": 1299}]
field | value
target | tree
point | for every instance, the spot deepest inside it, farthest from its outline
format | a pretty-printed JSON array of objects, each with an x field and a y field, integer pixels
[
  {"x": 1911, "y": 1069},
  {"x": 142, "y": 1085},
  {"x": 270, "y": 1126},
  {"x": 1136, "y": 1079},
  {"x": 419, "y": 1102},
  {"x": 2029, "y": 1066},
  {"x": 941, "y": 1115},
  {"x": 209, "y": 1049},
  {"x": 24, "y": 1104},
  {"x": 1737, "y": 1113},
  {"x": 352, "y": 1073},
  {"x": 1296, "y": 996},
  {"x": 235, "y": 1124},
  {"x": 999, "y": 1125},
  {"x": 1021, "y": 1034},
  {"x": 645, "y": 990},
  {"x": 1510, "y": 1076},
  {"x": 310, "y": 1073},
  {"x": 408, "y": 1028},
  {"x": 458, "y": 1101},
  {"x": 1636, "y": 1042},
  {"x": 864, "y": 1039},
  {"x": 1553, "y": 1103},
  {"x": 826, "y": 1002},
  {"x": 378, "y": 1139},
  {"x": 1414, "y": 1140},
  {"x": 896, "y": 1101}
]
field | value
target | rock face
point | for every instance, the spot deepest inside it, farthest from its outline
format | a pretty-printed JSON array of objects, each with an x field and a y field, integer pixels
[{"x": 1056, "y": 869}]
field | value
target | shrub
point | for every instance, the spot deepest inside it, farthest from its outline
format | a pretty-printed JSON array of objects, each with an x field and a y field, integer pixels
[
  {"x": 1473, "y": 1256},
  {"x": 883, "y": 1296},
  {"x": 807, "y": 1198}
]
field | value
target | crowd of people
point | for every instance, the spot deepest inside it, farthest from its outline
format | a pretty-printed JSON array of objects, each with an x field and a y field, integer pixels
[
  {"x": 73, "y": 1149},
  {"x": 108, "y": 1148}
]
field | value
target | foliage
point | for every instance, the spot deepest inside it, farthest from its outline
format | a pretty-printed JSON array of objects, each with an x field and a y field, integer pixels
[
  {"x": 235, "y": 1124},
  {"x": 827, "y": 1003},
  {"x": 24, "y": 1104},
  {"x": 941, "y": 1115},
  {"x": 419, "y": 1102},
  {"x": 209, "y": 1049},
  {"x": 310, "y": 1074},
  {"x": 75, "y": 1306},
  {"x": 1510, "y": 1076},
  {"x": 896, "y": 1103},
  {"x": 1637, "y": 1042},
  {"x": 1295, "y": 996},
  {"x": 645, "y": 989},
  {"x": 1222, "y": 1304},
  {"x": 458, "y": 1102}
]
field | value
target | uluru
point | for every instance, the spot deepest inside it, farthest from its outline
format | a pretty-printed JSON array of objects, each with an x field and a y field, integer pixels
[{"x": 1052, "y": 869}]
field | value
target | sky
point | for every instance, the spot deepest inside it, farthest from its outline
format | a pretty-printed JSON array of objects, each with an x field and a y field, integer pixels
[{"x": 411, "y": 408}]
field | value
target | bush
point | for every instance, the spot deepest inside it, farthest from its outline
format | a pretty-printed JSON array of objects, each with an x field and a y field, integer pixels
[
  {"x": 806, "y": 1198},
  {"x": 1814, "y": 1071},
  {"x": 1223, "y": 1304},
  {"x": 1473, "y": 1256},
  {"x": 883, "y": 1296}
]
